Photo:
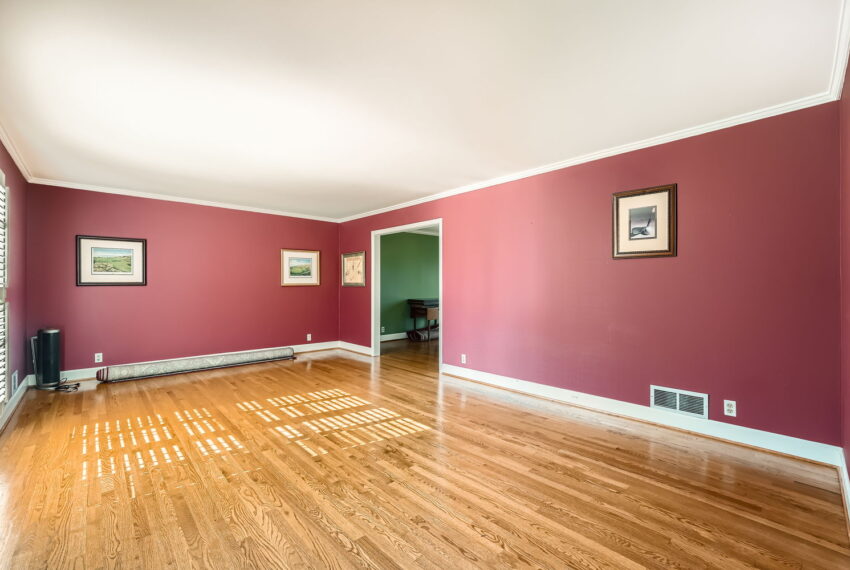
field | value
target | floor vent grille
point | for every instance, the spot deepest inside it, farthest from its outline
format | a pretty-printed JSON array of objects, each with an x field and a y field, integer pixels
[{"x": 680, "y": 401}]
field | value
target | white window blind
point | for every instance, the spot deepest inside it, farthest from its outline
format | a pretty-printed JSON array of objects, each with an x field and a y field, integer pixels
[{"x": 4, "y": 309}]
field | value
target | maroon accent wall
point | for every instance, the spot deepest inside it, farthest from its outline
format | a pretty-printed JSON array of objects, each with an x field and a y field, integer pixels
[
  {"x": 213, "y": 279},
  {"x": 748, "y": 311},
  {"x": 844, "y": 169},
  {"x": 17, "y": 290}
]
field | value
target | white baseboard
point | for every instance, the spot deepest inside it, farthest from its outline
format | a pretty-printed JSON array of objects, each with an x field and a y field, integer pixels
[
  {"x": 359, "y": 349},
  {"x": 310, "y": 347},
  {"x": 844, "y": 477},
  {"x": 824, "y": 453},
  {"x": 79, "y": 374},
  {"x": 13, "y": 402},
  {"x": 393, "y": 336},
  {"x": 812, "y": 450}
]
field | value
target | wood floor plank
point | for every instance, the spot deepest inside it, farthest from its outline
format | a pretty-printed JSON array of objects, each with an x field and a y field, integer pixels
[{"x": 341, "y": 461}]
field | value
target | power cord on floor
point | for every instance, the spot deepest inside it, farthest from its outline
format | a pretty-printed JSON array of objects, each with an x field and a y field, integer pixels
[{"x": 61, "y": 387}]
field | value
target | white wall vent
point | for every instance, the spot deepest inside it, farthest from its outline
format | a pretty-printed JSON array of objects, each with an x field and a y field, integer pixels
[{"x": 680, "y": 401}]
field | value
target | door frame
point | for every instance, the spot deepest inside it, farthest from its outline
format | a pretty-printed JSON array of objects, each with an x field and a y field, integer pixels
[{"x": 376, "y": 279}]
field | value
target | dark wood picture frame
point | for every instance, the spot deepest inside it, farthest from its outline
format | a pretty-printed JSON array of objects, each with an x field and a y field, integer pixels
[
  {"x": 144, "y": 248},
  {"x": 672, "y": 222}
]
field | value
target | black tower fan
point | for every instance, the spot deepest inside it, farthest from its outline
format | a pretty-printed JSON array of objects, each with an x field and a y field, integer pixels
[{"x": 45, "y": 361}]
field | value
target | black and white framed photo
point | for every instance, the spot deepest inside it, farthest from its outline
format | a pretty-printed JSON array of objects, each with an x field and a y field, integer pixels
[
  {"x": 111, "y": 261},
  {"x": 645, "y": 222}
]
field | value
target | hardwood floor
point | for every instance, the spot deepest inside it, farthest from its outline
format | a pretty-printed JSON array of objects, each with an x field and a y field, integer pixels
[{"x": 339, "y": 461}]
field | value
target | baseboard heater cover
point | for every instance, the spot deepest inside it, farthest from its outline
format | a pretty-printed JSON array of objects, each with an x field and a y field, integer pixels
[{"x": 124, "y": 372}]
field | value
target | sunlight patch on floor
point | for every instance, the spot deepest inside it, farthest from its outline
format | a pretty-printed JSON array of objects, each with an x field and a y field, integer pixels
[{"x": 335, "y": 416}]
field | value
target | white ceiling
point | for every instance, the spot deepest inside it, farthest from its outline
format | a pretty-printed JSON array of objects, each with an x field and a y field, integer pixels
[{"x": 335, "y": 108}]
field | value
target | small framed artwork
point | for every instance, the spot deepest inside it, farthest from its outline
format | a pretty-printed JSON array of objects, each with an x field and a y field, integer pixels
[
  {"x": 354, "y": 269},
  {"x": 645, "y": 222},
  {"x": 111, "y": 261},
  {"x": 299, "y": 267}
]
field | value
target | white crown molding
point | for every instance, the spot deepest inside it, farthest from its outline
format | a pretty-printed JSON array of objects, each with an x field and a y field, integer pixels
[
  {"x": 787, "y": 445},
  {"x": 842, "y": 51},
  {"x": 16, "y": 155},
  {"x": 783, "y": 108},
  {"x": 835, "y": 87},
  {"x": 799, "y": 104},
  {"x": 168, "y": 198},
  {"x": 804, "y": 103}
]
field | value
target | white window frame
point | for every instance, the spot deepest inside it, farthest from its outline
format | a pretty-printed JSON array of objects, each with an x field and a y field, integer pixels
[{"x": 5, "y": 389}]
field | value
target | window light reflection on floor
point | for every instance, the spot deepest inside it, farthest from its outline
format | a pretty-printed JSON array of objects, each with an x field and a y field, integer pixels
[
  {"x": 316, "y": 422},
  {"x": 131, "y": 444},
  {"x": 334, "y": 416}
]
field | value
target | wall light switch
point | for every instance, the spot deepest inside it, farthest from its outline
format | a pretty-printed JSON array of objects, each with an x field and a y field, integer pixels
[{"x": 98, "y": 357}]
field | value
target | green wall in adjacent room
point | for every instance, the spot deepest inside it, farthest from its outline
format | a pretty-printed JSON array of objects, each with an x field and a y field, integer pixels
[{"x": 410, "y": 265}]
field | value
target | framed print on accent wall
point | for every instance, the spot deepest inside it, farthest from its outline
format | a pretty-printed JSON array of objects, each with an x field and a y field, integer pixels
[
  {"x": 299, "y": 267},
  {"x": 645, "y": 222},
  {"x": 354, "y": 269},
  {"x": 111, "y": 261}
]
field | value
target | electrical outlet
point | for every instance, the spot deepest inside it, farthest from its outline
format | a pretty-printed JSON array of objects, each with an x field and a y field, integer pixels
[
  {"x": 463, "y": 359},
  {"x": 98, "y": 357},
  {"x": 309, "y": 337},
  {"x": 383, "y": 330},
  {"x": 730, "y": 408}
]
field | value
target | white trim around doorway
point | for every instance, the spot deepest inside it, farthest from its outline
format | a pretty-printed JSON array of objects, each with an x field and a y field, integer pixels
[{"x": 376, "y": 280}]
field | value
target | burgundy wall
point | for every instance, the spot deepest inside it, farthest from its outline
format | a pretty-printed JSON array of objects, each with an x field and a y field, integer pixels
[
  {"x": 17, "y": 290},
  {"x": 844, "y": 168},
  {"x": 748, "y": 311},
  {"x": 213, "y": 279}
]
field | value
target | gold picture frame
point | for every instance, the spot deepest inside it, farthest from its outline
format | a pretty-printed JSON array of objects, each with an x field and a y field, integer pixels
[
  {"x": 299, "y": 267},
  {"x": 353, "y": 269}
]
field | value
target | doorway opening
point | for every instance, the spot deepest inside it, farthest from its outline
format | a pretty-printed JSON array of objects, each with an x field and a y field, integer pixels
[{"x": 407, "y": 288}]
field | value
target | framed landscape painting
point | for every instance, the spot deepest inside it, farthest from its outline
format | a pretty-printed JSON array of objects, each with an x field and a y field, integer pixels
[
  {"x": 645, "y": 222},
  {"x": 111, "y": 261},
  {"x": 354, "y": 269},
  {"x": 299, "y": 267}
]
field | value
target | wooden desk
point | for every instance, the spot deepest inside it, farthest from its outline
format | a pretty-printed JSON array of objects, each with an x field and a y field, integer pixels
[{"x": 429, "y": 309}]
